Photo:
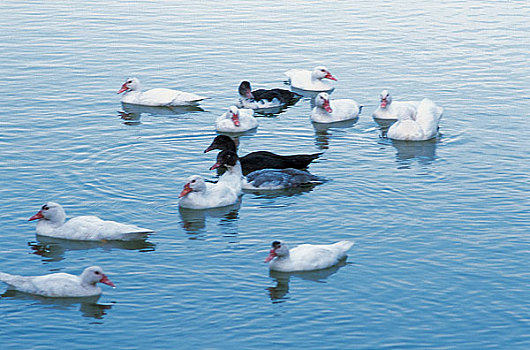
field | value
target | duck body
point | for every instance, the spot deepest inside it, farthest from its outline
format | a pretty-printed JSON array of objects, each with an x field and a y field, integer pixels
[
  {"x": 264, "y": 98},
  {"x": 264, "y": 179},
  {"x": 262, "y": 159},
  {"x": 306, "y": 257},
  {"x": 52, "y": 223},
  {"x": 332, "y": 111},
  {"x": 59, "y": 284},
  {"x": 423, "y": 126},
  {"x": 310, "y": 80},
  {"x": 236, "y": 120},
  {"x": 393, "y": 110},
  {"x": 276, "y": 179},
  {"x": 158, "y": 97},
  {"x": 209, "y": 196}
]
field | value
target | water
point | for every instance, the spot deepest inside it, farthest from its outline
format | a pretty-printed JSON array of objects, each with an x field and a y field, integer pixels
[{"x": 441, "y": 227}]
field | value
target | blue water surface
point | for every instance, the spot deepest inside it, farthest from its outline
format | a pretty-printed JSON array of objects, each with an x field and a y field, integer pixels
[{"x": 441, "y": 228}]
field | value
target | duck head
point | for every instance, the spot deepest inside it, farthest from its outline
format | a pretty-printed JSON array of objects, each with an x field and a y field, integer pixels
[
  {"x": 322, "y": 100},
  {"x": 195, "y": 184},
  {"x": 222, "y": 142},
  {"x": 233, "y": 113},
  {"x": 278, "y": 250},
  {"x": 245, "y": 90},
  {"x": 227, "y": 159},
  {"x": 52, "y": 212},
  {"x": 322, "y": 72},
  {"x": 94, "y": 274},
  {"x": 385, "y": 98},
  {"x": 131, "y": 84}
]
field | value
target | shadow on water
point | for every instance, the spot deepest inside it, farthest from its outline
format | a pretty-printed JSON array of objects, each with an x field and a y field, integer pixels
[
  {"x": 131, "y": 114},
  {"x": 88, "y": 306},
  {"x": 324, "y": 132},
  {"x": 278, "y": 293},
  {"x": 54, "y": 249},
  {"x": 194, "y": 220}
]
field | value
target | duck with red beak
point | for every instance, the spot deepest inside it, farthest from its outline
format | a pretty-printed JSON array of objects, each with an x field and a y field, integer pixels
[
  {"x": 330, "y": 111},
  {"x": 236, "y": 120}
]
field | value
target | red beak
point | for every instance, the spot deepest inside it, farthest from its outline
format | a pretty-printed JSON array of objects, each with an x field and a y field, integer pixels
[
  {"x": 123, "y": 88},
  {"x": 383, "y": 103},
  {"x": 36, "y": 216},
  {"x": 249, "y": 95},
  {"x": 185, "y": 191},
  {"x": 272, "y": 255},
  {"x": 235, "y": 119},
  {"x": 330, "y": 77},
  {"x": 327, "y": 107},
  {"x": 215, "y": 166},
  {"x": 209, "y": 149},
  {"x": 105, "y": 279}
]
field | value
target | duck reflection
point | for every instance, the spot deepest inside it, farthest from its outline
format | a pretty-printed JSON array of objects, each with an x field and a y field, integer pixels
[
  {"x": 279, "y": 292},
  {"x": 194, "y": 220},
  {"x": 423, "y": 151},
  {"x": 324, "y": 132},
  {"x": 131, "y": 113},
  {"x": 88, "y": 306},
  {"x": 54, "y": 249}
]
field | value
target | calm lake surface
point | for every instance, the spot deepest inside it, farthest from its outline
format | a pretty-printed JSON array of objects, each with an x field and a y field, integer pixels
[{"x": 441, "y": 228}]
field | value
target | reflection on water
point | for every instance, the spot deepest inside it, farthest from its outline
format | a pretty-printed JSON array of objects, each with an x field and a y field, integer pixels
[
  {"x": 131, "y": 113},
  {"x": 54, "y": 249},
  {"x": 324, "y": 132},
  {"x": 423, "y": 151},
  {"x": 279, "y": 292},
  {"x": 88, "y": 306},
  {"x": 194, "y": 220}
]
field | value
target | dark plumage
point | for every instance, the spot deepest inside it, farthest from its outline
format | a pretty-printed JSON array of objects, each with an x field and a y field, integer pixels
[
  {"x": 281, "y": 178},
  {"x": 262, "y": 159},
  {"x": 268, "y": 179},
  {"x": 283, "y": 96}
]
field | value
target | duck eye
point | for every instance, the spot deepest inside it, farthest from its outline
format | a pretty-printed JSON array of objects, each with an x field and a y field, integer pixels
[
  {"x": 96, "y": 272},
  {"x": 45, "y": 207}
]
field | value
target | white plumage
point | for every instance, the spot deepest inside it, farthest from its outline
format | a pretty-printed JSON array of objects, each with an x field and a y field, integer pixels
[
  {"x": 392, "y": 110},
  {"x": 310, "y": 80},
  {"x": 198, "y": 194},
  {"x": 330, "y": 111},
  {"x": 236, "y": 120},
  {"x": 159, "y": 97},
  {"x": 62, "y": 285},
  {"x": 306, "y": 257},
  {"x": 52, "y": 223},
  {"x": 423, "y": 126}
]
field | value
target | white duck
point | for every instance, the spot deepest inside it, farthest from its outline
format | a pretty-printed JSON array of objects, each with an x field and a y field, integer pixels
[
  {"x": 306, "y": 257},
  {"x": 423, "y": 126},
  {"x": 310, "y": 80},
  {"x": 197, "y": 194},
  {"x": 236, "y": 120},
  {"x": 59, "y": 285},
  {"x": 389, "y": 109},
  {"x": 52, "y": 223},
  {"x": 159, "y": 97},
  {"x": 330, "y": 111}
]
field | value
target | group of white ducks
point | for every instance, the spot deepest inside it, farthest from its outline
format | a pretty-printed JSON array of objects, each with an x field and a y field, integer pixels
[{"x": 262, "y": 170}]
